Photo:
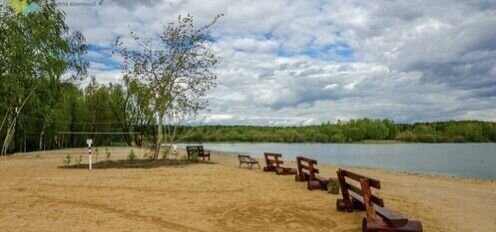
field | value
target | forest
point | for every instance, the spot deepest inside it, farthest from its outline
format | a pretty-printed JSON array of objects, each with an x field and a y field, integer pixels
[
  {"x": 43, "y": 104},
  {"x": 352, "y": 131}
]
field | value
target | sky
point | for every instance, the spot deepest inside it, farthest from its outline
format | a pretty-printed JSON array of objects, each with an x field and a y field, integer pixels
[{"x": 305, "y": 62}]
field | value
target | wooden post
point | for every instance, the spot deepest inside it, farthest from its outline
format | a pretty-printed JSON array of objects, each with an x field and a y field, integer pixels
[
  {"x": 367, "y": 194},
  {"x": 299, "y": 176},
  {"x": 344, "y": 191}
]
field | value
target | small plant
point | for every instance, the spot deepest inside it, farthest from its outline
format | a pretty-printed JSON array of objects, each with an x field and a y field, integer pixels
[
  {"x": 108, "y": 155},
  {"x": 194, "y": 157},
  {"x": 131, "y": 156},
  {"x": 37, "y": 156},
  {"x": 79, "y": 160},
  {"x": 67, "y": 160}
]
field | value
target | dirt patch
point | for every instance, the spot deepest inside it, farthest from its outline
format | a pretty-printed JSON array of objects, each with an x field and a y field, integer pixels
[{"x": 136, "y": 164}]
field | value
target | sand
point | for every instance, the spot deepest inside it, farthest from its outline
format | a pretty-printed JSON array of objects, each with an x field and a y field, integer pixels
[{"x": 35, "y": 195}]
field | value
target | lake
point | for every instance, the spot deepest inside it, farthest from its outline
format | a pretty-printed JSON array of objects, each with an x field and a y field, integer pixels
[{"x": 462, "y": 160}]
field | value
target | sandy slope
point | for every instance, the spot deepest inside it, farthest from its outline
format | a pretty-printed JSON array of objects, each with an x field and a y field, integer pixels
[{"x": 37, "y": 196}]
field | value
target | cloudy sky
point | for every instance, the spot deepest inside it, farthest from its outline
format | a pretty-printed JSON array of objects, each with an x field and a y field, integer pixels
[{"x": 289, "y": 62}]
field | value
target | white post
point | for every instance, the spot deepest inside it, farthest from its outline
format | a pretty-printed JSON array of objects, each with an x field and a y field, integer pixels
[{"x": 89, "y": 142}]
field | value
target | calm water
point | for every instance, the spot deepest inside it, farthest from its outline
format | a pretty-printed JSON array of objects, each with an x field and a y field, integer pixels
[{"x": 464, "y": 160}]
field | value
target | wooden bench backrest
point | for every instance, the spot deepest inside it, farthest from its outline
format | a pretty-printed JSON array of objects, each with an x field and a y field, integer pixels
[
  {"x": 245, "y": 158},
  {"x": 374, "y": 205},
  {"x": 307, "y": 166},
  {"x": 195, "y": 149},
  {"x": 273, "y": 159},
  {"x": 364, "y": 191}
]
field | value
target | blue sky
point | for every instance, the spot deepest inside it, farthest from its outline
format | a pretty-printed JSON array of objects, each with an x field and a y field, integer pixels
[{"x": 286, "y": 62}]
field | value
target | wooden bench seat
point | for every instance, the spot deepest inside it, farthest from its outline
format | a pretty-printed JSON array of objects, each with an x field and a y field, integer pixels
[
  {"x": 246, "y": 159},
  {"x": 273, "y": 164},
  {"x": 197, "y": 150},
  {"x": 308, "y": 172},
  {"x": 378, "y": 218}
]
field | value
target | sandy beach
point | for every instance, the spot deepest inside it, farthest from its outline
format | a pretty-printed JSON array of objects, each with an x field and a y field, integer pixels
[{"x": 36, "y": 195}]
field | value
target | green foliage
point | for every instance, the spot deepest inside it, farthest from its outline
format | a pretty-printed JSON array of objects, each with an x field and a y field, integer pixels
[
  {"x": 337, "y": 138},
  {"x": 352, "y": 131},
  {"x": 131, "y": 156},
  {"x": 67, "y": 160},
  {"x": 36, "y": 50},
  {"x": 79, "y": 160},
  {"x": 194, "y": 157},
  {"x": 108, "y": 155}
]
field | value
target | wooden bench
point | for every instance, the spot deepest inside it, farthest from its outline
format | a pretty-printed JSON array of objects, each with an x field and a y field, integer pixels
[
  {"x": 378, "y": 218},
  {"x": 199, "y": 151},
  {"x": 246, "y": 159},
  {"x": 273, "y": 164},
  {"x": 308, "y": 172}
]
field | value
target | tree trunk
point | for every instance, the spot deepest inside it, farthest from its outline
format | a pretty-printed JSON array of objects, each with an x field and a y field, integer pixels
[
  {"x": 9, "y": 135},
  {"x": 41, "y": 138},
  {"x": 159, "y": 136},
  {"x": 11, "y": 128}
]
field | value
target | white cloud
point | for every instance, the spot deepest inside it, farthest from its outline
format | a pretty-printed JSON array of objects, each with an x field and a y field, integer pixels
[{"x": 300, "y": 62}]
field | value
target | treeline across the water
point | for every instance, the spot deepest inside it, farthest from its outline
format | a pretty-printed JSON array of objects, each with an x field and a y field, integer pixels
[{"x": 349, "y": 132}]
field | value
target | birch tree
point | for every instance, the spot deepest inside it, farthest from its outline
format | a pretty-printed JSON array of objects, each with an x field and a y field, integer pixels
[{"x": 177, "y": 68}]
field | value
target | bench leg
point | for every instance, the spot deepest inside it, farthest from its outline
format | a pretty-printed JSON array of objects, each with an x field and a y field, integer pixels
[{"x": 380, "y": 226}]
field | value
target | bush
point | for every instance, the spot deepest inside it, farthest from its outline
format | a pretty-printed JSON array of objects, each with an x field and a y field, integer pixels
[
  {"x": 131, "y": 156},
  {"x": 67, "y": 160},
  {"x": 108, "y": 155},
  {"x": 79, "y": 160},
  {"x": 194, "y": 157}
]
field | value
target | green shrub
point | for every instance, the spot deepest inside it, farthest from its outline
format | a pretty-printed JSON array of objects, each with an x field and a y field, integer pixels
[
  {"x": 79, "y": 160},
  {"x": 108, "y": 155},
  {"x": 131, "y": 156},
  {"x": 194, "y": 157},
  {"x": 67, "y": 160}
]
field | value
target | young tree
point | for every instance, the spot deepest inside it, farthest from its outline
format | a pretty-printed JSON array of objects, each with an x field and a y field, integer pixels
[{"x": 177, "y": 71}]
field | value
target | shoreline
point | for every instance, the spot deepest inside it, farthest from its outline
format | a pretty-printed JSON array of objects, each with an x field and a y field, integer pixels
[
  {"x": 392, "y": 171},
  {"x": 260, "y": 158},
  {"x": 360, "y": 142}
]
